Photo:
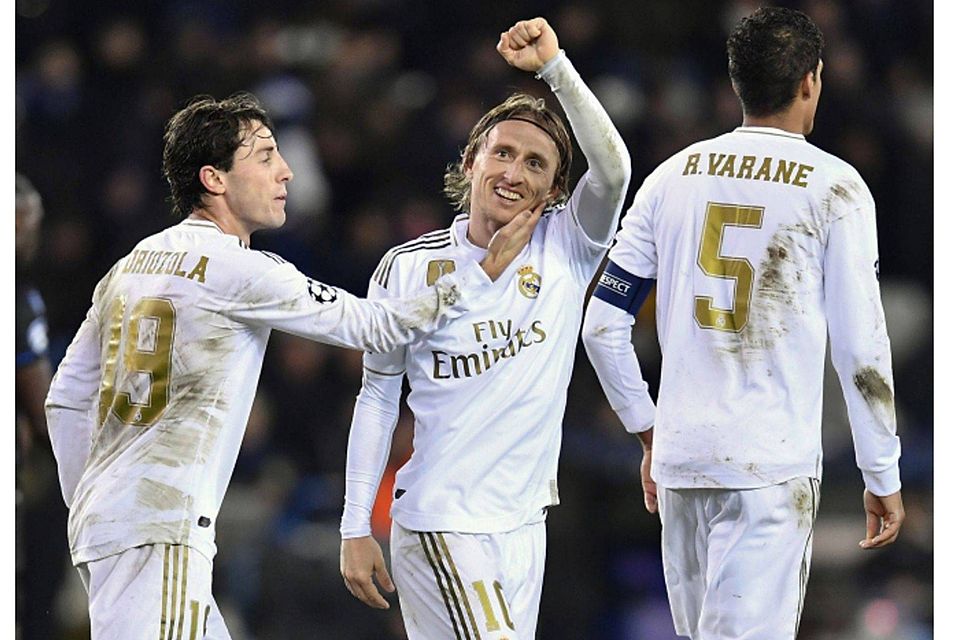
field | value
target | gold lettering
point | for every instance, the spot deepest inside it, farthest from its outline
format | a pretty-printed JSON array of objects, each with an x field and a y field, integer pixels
[
  {"x": 764, "y": 172},
  {"x": 746, "y": 167},
  {"x": 200, "y": 270},
  {"x": 715, "y": 160},
  {"x": 170, "y": 260},
  {"x": 727, "y": 170},
  {"x": 152, "y": 262},
  {"x": 477, "y": 333},
  {"x": 465, "y": 361},
  {"x": 800, "y": 180},
  {"x": 138, "y": 265},
  {"x": 504, "y": 332},
  {"x": 784, "y": 172},
  {"x": 437, "y": 361},
  {"x": 535, "y": 328},
  {"x": 128, "y": 263},
  {"x": 693, "y": 162},
  {"x": 177, "y": 271}
]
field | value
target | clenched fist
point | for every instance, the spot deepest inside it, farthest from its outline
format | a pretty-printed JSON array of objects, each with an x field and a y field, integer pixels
[{"x": 529, "y": 44}]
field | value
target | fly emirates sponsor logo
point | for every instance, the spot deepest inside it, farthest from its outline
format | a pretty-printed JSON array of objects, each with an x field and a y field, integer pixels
[{"x": 488, "y": 335}]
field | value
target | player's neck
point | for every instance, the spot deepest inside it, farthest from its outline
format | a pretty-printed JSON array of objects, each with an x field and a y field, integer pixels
[
  {"x": 227, "y": 223},
  {"x": 790, "y": 120},
  {"x": 480, "y": 230}
]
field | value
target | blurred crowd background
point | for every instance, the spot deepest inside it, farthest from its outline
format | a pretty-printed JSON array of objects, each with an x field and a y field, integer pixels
[{"x": 372, "y": 98}]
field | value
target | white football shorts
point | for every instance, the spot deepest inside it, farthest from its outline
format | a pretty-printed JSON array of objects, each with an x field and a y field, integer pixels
[
  {"x": 736, "y": 562},
  {"x": 467, "y": 586},
  {"x": 152, "y": 592}
]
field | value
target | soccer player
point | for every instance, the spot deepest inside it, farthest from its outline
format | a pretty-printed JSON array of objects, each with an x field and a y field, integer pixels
[
  {"x": 762, "y": 245},
  {"x": 468, "y": 538},
  {"x": 148, "y": 408}
]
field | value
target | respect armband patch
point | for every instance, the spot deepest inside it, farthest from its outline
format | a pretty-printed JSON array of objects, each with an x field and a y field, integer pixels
[{"x": 622, "y": 289}]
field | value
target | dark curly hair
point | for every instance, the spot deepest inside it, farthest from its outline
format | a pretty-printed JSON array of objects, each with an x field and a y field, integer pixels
[
  {"x": 768, "y": 54},
  {"x": 205, "y": 132},
  {"x": 519, "y": 106}
]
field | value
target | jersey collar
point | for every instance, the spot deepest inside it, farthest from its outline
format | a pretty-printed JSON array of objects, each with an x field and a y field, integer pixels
[
  {"x": 770, "y": 131},
  {"x": 196, "y": 224}
]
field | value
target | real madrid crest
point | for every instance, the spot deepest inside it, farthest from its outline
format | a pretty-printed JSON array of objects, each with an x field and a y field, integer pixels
[{"x": 528, "y": 281}]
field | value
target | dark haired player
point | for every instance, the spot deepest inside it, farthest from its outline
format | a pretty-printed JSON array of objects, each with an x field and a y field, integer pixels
[
  {"x": 762, "y": 245},
  {"x": 148, "y": 407}
]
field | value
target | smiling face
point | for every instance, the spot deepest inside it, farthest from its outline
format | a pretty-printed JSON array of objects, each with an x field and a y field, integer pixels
[
  {"x": 255, "y": 187},
  {"x": 513, "y": 171}
]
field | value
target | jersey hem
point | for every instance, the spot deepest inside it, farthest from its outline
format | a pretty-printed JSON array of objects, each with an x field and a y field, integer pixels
[{"x": 694, "y": 477}]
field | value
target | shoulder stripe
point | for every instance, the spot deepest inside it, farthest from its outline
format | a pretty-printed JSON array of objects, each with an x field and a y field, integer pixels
[
  {"x": 382, "y": 273},
  {"x": 273, "y": 256}
]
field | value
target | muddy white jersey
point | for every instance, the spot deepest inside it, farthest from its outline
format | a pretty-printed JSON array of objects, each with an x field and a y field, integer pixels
[
  {"x": 488, "y": 390},
  {"x": 761, "y": 245},
  {"x": 148, "y": 408}
]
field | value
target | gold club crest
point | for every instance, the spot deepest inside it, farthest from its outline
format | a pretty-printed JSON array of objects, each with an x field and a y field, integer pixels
[{"x": 528, "y": 281}]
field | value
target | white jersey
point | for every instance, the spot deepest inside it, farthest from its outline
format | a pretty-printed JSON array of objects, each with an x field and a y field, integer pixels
[
  {"x": 487, "y": 391},
  {"x": 172, "y": 347},
  {"x": 761, "y": 245}
]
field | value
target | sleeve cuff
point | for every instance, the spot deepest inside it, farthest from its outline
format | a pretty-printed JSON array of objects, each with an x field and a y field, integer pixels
[
  {"x": 552, "y": 72},
  {"x": 882, "y": 483},
  {"x": 638, "y": 417}
]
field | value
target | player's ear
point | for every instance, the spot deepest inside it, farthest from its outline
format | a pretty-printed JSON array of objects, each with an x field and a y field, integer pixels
[{"x": 212, "y": 180}]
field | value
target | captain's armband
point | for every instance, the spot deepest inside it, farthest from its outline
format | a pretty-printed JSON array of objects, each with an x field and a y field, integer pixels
[{"x": 622, "y": 289}]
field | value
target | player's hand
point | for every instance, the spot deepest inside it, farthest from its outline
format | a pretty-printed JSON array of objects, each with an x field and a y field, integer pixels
[
  {"x": 529, "y": 44},
  {"x": 884, "y": 518},
  {"x": 360, "y": 560},
  {"x": 646, "y": 478},
  {"x": 509, "y": 240}
]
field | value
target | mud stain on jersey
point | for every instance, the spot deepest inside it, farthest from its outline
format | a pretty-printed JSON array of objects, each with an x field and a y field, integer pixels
[
  {"x": 874, "y": 388},
  {"x": 802, "y": 503},
  {"x": 774, "y": 302},
  {"x": 175, "y": 446},
  {"x": 836, "y": 203},
  {"x": 425, "y": 309},
  {"x": 161, "y": 497}
]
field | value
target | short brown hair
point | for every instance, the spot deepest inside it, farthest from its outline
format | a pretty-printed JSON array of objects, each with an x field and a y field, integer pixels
[
  {"x": 205, "y": 132},
  {"x": 519, "y": 106}
]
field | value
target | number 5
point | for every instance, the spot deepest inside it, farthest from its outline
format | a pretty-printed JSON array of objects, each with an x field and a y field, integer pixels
[{"x": 714, "y": 264}]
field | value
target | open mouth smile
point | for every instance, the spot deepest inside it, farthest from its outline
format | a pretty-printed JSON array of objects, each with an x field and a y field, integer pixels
[{"x": 509, "y": 195}]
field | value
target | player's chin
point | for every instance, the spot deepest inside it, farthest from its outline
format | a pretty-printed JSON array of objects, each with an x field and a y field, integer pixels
[{"x": 277, "y": 217}]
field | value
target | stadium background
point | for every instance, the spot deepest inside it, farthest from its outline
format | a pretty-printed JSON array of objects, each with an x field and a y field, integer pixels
[{"x": 372, "y": 98}]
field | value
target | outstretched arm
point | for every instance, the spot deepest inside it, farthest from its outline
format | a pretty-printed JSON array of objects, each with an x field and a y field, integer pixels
[
  {"x": 532, "y": 45},
  {"x": 286, "y": 300}
]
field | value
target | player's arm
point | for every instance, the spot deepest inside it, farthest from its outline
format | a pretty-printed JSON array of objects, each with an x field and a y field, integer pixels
[
  {"x": 371, "y": 432},
  {"x": 627, "y": 279},
  {"x": 860, "y": 351},
  {"x": 285, "y": 299},
  {"x": 607, "y": 328},
  {"x": 532, "y": 45},
  {"x": 71, "y": 405},
  {"x": 375, "y": 417}
]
